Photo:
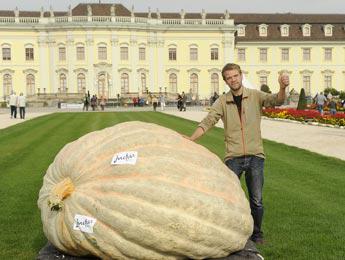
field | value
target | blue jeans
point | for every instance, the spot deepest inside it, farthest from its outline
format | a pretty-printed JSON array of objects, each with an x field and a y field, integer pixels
[{"x": 253, "y": 166}]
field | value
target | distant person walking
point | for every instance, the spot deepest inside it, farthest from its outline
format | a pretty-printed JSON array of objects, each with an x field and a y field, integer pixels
[
  {"x": 154, "y": 103},
  {"x": 214, "y": 98},
  {"x": 86, "y": 102},
  {"x": 332, "y": 107},
  {"x": 162, "y": 101},
  {"x": 22, "y": 104},
  {"x": 320, "y": 102},
  {"x": 184, "y": 100},
  {"x": 102, "y": 102},
  {"x": 94, "y": 102},
  {"x": 13, "y": 104}
]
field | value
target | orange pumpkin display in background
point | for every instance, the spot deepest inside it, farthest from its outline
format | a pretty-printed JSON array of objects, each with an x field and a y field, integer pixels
[{"x": 178, "y": 200}]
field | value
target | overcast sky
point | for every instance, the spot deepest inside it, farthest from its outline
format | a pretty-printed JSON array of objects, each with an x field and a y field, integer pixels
[{"x": 236, "y": 6}]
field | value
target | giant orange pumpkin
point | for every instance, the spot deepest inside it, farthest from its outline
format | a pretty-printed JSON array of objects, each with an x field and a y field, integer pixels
[{"x": 178, "y": 200}]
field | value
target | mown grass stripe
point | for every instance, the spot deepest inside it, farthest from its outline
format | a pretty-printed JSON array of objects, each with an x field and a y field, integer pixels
[{"x": 303, "y": 191}]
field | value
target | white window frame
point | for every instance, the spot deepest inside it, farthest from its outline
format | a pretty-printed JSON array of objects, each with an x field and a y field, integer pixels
[
  {"x": 306, "y": 54},
  {"x": 328, "y": 54},
  {"x": 6, "y": 53},
  {"x": 306, "y": 30},
  {"x": 214, "y": 53},
  {"x": 30, "y": 84},
  {"x": 241, "y": 30},
  {"x": 29, "y": 53},
  {"x": 102, "y": 52},
  {"x": 7, "y": 84},
  {"x": 63, "y": 83},
  {"x": 193, "y": 53},
  {"x": 62, "y": 53},
  {"x": 306, "y": 84},
  {"x": 173, "y": 83},
  {"x": 327, "y": 79},
  {"x": 124, "y": 53},
  {"x": 172, "y": 52},
  {"x": 285, "y": 56},
  {"x": 214, "y": 83},
  {"x": 263, "y": 30},
  {"x": 142, "y": 53},
  {"x": 80, "y": 53},
  {"x": 124, "y": 83},
  {"x": 241, "y": 54},
  {"x": 263, "y": 54},
  {"x": 81, "y": 83},
  {"x": 284, "y": 30},
  {"x": 328, "y": 30}
]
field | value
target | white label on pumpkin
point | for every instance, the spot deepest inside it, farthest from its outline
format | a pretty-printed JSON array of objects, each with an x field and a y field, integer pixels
[
  {"x": 84, "y": 223},
  {"x": 125, "y": 158}
]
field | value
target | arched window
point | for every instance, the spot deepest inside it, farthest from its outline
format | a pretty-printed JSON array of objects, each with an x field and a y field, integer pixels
[
  {"x": 124, "y": 83},
  {"x": 81, "y": 83},
  {"x": 63, "y": 83},
  {"x": 143, "y": 82},
  {"x": 214, "y": 83},
  {"x": 173, "y": 83},
  {"x": 30, "y": 84},
  {"x": 103, "y": 85},
  {"x": 194, "y": 85},
  {"x": 7, "y": 84}
]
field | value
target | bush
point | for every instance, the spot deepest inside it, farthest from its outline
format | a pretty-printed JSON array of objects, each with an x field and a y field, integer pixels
[
  {"x": 342, "y": 95},
  {"x": 302, "y": 101},
  {"x": 333, "y": 91}
]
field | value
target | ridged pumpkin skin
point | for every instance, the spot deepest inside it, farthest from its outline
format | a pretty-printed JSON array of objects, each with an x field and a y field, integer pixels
[{"x": 179, "y": 200}]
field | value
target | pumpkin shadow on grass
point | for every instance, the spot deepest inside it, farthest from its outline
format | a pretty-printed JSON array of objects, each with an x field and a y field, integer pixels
[{"x": 49, "y": 252}]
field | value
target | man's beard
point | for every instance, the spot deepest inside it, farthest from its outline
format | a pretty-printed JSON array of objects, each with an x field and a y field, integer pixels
[{"x": 233, "y": 88}]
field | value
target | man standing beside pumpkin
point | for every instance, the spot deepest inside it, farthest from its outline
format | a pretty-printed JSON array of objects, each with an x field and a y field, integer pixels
[{"x": 240, "y": 111}]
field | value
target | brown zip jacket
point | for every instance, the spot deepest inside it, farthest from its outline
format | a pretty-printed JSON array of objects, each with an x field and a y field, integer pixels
[{"x": 242, "y": 134}]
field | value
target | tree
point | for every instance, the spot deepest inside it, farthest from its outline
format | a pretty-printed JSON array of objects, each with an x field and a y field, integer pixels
[
  {"x": 265, "y": 88},
  {"x": 302, "y": 101},
  {"x": 333, "y": 91},
  {"x": 342, "y": 95}
]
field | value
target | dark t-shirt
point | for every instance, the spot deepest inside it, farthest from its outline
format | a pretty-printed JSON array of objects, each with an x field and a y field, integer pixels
[{"x": 238, "y": 102}]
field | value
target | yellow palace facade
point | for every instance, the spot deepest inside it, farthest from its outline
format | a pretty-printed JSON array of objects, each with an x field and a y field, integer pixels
[{"x": 110, "y": 50}]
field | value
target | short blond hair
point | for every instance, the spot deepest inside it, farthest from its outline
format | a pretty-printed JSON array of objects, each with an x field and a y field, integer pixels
[{"x": 231, "y": 66}]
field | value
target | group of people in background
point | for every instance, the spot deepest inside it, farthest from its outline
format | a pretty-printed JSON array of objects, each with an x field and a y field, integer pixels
[
  {"x": 322, "y": 101},
  {"x": 93, "y": 102},
  {"x": 15, "y": 102}
]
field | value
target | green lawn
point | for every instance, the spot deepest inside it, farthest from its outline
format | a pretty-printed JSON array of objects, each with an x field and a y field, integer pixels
[{"x": 304, "y": 192}]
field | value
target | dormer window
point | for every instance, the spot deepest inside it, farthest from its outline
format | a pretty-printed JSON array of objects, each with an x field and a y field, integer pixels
[
  {"x": 284, "y": 30},
  {"x": 241, "y": 30},
  {"x": 328, "y": 29},
  {"x": 306, "y": 29},
  {"x": 263, "y": 30}
]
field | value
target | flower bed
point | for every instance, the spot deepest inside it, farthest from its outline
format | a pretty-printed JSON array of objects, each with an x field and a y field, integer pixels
[{"x": 305, "y": 116}]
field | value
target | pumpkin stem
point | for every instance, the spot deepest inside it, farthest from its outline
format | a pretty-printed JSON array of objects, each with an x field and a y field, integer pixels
[{"x": 61, "y": 191}]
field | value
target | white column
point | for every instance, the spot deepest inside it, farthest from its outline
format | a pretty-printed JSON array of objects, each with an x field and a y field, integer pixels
[
  {"x": 151, "y": 56},
  {"x": 90, "y": 63},
  {"x": 228, "y": 49},
  {"x": 116, "y": 88},
  {"x": 134, "y": 56},
  {"x": 70, "y": 52},
  {"x": 44, "y": 73},
  {"x": 160, "y": 66},
  {"x": 52, "y": 68}
]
